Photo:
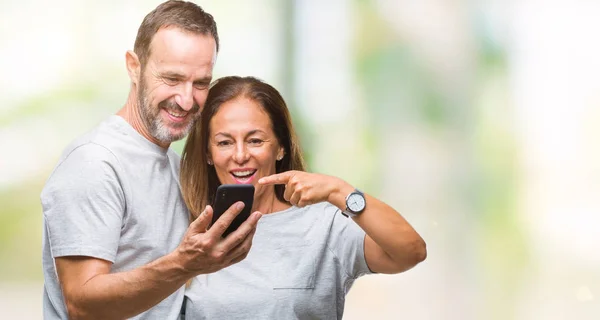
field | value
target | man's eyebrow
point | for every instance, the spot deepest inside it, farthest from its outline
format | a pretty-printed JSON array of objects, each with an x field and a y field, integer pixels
[
  {"x": 171, "y": 74},
  {"x": 174, "y": 74}
]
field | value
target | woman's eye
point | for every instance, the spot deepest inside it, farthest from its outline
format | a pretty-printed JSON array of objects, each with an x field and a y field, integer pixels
[
  {"x": 223, "y": 143},
  {"x": 255, "y": 141}
]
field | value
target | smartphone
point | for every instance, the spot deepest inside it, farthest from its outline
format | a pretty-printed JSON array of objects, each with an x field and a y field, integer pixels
[{"x": 226, "y": 196}]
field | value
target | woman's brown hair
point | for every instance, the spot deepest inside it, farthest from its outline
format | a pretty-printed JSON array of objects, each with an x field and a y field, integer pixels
[{"x": 199, "y": 180}]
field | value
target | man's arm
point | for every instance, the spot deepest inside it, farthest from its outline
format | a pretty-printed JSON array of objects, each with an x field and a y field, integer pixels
[{"x": 92, "y": 292}]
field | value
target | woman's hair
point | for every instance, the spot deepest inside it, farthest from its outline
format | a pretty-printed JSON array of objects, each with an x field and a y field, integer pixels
[{"x": 199, "y": 180}]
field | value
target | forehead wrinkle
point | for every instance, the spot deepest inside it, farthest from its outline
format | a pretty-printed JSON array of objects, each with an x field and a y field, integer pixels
[{"x": 164, "y": 54}]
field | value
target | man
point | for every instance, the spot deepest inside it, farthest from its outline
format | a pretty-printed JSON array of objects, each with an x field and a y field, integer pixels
[{"x": 115, "y": 241}]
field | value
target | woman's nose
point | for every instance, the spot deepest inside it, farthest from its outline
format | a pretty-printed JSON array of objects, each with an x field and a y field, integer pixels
[{"x": 241, "y": 154}]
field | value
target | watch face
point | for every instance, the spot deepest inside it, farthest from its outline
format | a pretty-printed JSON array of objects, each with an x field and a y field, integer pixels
[{"x": 356, "y": 202}]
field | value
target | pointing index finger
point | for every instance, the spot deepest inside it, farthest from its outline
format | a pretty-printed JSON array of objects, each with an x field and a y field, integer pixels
[{"x": 279, "y": 178}]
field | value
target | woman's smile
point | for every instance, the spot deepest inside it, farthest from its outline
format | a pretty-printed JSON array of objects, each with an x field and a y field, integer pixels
[{"x": 243, "y": 175}]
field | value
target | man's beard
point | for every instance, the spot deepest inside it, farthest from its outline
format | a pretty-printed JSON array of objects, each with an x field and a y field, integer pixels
[{"x": 155, "y": 124}]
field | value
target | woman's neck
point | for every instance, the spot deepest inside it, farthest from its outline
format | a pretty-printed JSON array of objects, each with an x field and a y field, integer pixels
[{"x": 268, "y": 203}]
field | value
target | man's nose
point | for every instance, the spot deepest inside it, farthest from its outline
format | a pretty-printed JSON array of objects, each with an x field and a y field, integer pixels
[{"x": 185, "y": 97}]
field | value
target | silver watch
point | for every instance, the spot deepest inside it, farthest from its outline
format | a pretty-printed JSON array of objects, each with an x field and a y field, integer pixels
[{"x": 355, "y": 203}]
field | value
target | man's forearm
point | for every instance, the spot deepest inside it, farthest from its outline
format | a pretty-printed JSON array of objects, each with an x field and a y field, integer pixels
[
  {"x": 92, "y": 292},
  {"x": 126, "y": 294}
]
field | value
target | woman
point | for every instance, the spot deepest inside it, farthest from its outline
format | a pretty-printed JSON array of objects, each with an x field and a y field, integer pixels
[{"x": 305, "y": 254}]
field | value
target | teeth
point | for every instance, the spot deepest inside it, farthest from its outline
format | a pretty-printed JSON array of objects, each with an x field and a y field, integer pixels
[
  {"x": 243, "y": 173},
  {"x": 175, "y": 114}
]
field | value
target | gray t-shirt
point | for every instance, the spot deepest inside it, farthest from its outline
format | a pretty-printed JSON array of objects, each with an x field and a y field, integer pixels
[
  {"x": 115, "y": 196},
  {"x": 302, "y": 263}
]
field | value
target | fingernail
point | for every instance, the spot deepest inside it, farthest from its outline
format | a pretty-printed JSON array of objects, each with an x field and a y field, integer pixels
[{"x": 239, "y": 205}]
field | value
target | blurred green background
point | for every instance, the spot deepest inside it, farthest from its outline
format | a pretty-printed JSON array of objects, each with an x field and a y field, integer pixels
[{"x": 477, "y": 120}]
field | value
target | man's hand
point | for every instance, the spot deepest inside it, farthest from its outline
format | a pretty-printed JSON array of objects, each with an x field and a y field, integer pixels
[
  {"x": 88, "y": 285},
  {"x": 204, "y": 251}
]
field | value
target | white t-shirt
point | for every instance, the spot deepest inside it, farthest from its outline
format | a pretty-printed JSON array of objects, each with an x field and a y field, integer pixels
[
  {"x": 115, "y": 196},
  {"x": 302, "y": 263}
]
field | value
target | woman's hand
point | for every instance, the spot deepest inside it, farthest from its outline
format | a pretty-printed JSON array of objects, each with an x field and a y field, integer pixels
[{"x": 304, "y": 188}]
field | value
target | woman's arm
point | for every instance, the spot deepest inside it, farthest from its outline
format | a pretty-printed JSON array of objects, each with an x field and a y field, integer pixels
[{"x": 391, "y": 243}]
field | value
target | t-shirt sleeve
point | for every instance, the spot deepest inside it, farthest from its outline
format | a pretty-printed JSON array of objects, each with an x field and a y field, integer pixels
[
  {"x": 347, "y": 241},
  {"x": 83, "y": 204}
]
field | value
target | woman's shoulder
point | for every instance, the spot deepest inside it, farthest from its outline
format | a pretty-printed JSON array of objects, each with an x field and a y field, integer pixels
[
  {"x": 314, "y": 213},
  {"x": 323, "y": 207},
  {"x": 321, "y": 211}
]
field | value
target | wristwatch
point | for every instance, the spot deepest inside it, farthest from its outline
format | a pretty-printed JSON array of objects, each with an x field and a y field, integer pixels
[{"x": 355, "y": 203}]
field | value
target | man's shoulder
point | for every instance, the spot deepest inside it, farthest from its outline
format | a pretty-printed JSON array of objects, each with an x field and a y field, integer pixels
[
  {"x": 105, "y": 141},
  {"x": 93, "y": 144},
  {"x": 90, "y": 148},
  {"x": 88, "y": 151},
  {"x": 84, "y": 165}
]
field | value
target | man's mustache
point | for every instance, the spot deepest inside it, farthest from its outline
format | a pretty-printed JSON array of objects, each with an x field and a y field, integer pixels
[{"x": 173, "y": 106}]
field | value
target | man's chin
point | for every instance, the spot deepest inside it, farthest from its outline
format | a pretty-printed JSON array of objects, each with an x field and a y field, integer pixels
[
  {"x": 173, "y": 136},
  {"x": 169, "y": 138}
]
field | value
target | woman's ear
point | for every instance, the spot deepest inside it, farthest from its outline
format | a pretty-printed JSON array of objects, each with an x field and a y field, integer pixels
[
  {"x": 280, "y": 154},
  {"x": 132, "y": 62}
]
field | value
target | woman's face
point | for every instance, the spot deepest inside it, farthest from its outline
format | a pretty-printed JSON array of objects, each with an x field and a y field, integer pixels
[{"x": 242, "y": 144}]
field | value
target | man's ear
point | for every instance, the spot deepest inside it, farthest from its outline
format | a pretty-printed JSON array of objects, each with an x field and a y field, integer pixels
[{"x": 132, "y": 63}]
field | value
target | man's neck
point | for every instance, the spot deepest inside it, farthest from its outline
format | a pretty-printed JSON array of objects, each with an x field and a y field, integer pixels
[{"x": 132, "y": 114}]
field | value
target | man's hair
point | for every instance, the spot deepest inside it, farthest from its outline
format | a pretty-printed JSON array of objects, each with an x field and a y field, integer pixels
[
  {"x": 185, "y": 15},
  {"x": 198, "y": 179}
]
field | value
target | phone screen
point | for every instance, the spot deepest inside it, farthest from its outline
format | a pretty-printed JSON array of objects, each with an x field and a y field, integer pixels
[{"x": 227, "y": 195}]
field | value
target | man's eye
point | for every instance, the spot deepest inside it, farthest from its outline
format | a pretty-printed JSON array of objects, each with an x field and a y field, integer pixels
[
  {"x": 171, "y": 81},
  {"x": 201, "y": 86}
]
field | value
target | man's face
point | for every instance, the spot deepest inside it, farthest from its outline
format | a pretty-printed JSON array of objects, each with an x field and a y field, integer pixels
[{"x": 174, "y": 82}]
